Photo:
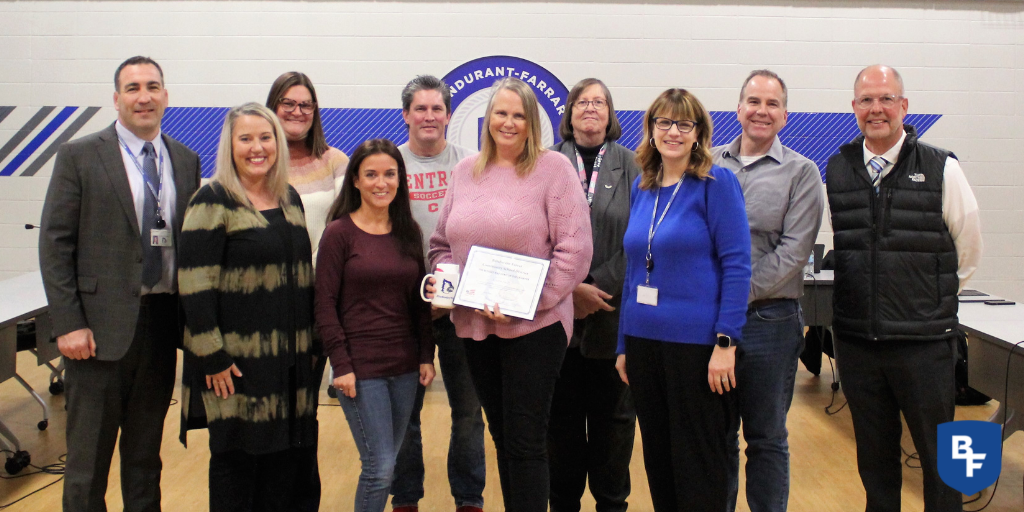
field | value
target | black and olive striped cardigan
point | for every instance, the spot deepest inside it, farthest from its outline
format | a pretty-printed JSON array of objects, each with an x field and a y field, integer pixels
[{"x": 246, "y": 283}]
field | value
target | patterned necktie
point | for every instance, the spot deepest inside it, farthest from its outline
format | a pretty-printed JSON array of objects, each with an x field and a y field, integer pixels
[
  {"x": 152, "y": 256},
  {"x": 875, "y": 165}
]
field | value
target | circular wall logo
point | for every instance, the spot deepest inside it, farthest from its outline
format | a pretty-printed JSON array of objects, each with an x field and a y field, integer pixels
[{"x": 471, "y": 84}]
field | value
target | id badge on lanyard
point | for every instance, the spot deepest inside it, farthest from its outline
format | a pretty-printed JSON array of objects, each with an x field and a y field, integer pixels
[
  {"x": 159, "y": 236},
  {"x": 645, "y": 293}
]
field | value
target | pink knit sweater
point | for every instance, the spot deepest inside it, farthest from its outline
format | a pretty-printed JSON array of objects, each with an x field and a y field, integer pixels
[{"x": 544, "y": 215}]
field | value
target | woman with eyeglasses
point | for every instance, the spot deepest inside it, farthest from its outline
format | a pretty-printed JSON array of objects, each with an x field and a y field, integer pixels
[
  {"x": 315, "y": 169},
  {"x": 592, "y": 418},
  {"x": 518, "y": 197},
  {"x": 684, "y": 305}
]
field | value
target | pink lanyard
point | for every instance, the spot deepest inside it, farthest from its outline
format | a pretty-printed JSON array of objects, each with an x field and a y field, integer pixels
[{"x": 593, "y": 176}]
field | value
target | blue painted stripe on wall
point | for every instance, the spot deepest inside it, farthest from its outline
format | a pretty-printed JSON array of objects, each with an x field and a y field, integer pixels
[
  {"x": 816, "y": 135},
  {"x": 197, "y": 128},
  {"x": 38, "y": 140}
]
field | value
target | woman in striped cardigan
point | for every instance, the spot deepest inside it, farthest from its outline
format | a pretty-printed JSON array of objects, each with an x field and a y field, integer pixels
[{"x": 246, "y": 282}]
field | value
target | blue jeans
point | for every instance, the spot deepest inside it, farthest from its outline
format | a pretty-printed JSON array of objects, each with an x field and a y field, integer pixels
[
  {"x": 766, "y": 363},
  {"x": 467, "y": 468},
  {"x": 378, "y": 416}
]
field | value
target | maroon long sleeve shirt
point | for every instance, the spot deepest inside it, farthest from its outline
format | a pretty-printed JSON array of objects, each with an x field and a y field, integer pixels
[{"x": 368, "y": 308}]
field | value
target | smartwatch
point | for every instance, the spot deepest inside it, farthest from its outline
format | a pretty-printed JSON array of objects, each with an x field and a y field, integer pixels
[{"x": 724, "y": 341}]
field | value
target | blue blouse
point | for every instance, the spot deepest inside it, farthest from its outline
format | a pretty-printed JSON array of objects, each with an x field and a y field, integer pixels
[{"x": 701, "y": 254}]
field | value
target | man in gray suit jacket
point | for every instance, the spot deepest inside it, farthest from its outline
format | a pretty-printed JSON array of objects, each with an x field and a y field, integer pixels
[{"x": 110, "y": 224}]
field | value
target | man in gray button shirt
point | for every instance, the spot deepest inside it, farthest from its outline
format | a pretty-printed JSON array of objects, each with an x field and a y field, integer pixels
[{"x": 784, "y": 201}]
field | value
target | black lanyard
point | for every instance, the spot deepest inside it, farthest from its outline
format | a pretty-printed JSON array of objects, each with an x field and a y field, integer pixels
[{"x": 654, "y": 227}]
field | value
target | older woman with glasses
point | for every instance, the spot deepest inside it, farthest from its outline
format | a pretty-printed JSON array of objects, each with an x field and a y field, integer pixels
[
  {"x": 518, "y": 197},
  {"x": 592, "y": 418},
  {"x": 684, "y": 305}
]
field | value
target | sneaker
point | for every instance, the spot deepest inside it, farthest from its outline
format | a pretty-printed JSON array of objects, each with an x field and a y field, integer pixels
[
  {"x": 408, "y": 508},
  {"x": 468, "y": 508}
]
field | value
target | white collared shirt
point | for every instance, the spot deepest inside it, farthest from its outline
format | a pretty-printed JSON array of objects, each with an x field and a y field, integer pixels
[
  {"x": 959, "y": 209},
  {"x": 168, "y": 197}
]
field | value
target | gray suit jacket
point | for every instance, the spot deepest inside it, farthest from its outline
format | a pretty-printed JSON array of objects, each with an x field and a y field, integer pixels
[
  {"x": 597, "y": 334},
  {"x": 90, "y": 252}
]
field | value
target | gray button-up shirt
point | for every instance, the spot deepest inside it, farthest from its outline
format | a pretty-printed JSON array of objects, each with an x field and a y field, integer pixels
[{"x": 783, "y": 194}]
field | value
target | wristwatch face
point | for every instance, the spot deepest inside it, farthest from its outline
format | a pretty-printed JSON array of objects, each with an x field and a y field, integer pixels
[{"x": 724, "y": 341}]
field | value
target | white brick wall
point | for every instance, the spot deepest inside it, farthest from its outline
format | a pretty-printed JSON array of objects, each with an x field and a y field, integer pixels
[{"x": 964, "y": 60}]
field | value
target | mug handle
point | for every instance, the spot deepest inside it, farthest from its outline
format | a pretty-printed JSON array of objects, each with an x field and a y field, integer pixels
[{"x": 423, "y": 283}]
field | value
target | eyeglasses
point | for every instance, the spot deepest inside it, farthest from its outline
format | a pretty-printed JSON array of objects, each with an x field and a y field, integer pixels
[
  {"x": 887, "y": 101},
  {"x": 305, "y": 107},
  {"x": 665, "y": 124},
  {"x": 598, "y": 104}
]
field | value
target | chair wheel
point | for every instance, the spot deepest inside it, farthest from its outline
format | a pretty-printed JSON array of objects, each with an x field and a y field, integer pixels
[
  {"x": 43, "y": 424},
  {"x": 56, "y": 387},
  {"x": 17, "y": 462}
]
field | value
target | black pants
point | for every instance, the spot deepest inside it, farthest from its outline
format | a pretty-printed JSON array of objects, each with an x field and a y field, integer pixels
[
  {"x": 131, "y": 395},
  {"x": 881, "y": 380},
  {"x": 515, "y": 379},
  {"x": 242, "y": 482},
  {"x": 593, "y": 424},
  {"x": 686, "y": 428},
  {"x": 307, "y": 478}
]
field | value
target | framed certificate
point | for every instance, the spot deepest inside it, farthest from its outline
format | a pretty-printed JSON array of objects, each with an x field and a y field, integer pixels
[{"x": 512, "y": 281}]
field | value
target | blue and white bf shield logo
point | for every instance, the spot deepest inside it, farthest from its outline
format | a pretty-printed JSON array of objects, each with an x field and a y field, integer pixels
[{"x": 970, "y": 454}]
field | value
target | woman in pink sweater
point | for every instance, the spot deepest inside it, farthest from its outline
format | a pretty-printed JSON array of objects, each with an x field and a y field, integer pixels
[{"x": 518, "y": 197}]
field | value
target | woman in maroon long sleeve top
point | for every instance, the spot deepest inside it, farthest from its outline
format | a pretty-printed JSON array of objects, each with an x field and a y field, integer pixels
[{"x": 374, "y": 326}]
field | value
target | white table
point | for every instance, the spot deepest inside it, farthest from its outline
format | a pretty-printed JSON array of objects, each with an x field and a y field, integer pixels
[
  {"x": 22, "y": 298},
  {"x": 992, "y": 332}
]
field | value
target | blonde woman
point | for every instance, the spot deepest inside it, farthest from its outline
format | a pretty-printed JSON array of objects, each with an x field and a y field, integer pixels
[
  {"x": 245, "y": 278},
  {"x": 517, "y": 196}
]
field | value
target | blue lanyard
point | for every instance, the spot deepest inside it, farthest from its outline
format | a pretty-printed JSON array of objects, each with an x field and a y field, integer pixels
[
  {"x": 654, "y": 227},
  {"x": 159, "y": 176},
  {"x": 593, "y": 176}
]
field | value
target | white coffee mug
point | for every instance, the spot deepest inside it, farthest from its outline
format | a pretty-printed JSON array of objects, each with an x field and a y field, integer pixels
[{"x": 446, "y": 281}]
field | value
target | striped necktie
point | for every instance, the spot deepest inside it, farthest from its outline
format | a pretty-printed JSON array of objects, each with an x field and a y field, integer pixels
[{"x": 875, "y": 165}]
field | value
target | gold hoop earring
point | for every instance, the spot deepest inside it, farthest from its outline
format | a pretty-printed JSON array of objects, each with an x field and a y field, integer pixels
[
  {"x": 651, "y": 142},
  {"x": 695, "y": 146}
]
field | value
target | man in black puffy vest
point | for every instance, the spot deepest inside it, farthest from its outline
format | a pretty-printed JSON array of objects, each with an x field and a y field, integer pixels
[{"x": 907, "y": 238}]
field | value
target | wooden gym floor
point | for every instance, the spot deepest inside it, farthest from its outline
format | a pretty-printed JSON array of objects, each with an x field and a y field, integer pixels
[{"x": 824, "y": 466}]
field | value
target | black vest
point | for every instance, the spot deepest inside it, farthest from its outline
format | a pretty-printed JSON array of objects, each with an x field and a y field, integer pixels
[{"x": 896, "y": 263}]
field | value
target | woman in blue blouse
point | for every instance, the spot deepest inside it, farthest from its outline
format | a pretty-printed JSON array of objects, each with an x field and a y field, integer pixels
[{"x": 684, "y": 304}]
